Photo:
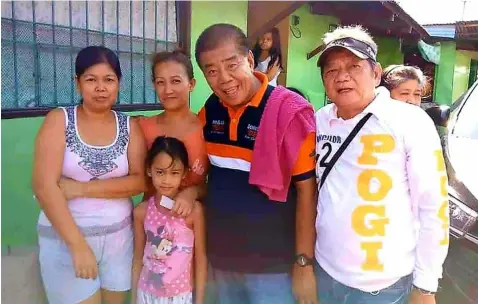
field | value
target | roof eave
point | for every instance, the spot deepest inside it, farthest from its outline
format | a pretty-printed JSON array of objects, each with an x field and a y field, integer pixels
[{"x": 396, "y": 9}]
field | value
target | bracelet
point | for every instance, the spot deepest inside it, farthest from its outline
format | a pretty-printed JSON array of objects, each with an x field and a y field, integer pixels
[{"x": 424, "y": 292}]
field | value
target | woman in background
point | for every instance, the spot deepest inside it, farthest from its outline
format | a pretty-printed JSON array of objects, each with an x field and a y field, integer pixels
[
  {"x": 405, "y": 83},
  {"x": 268, "y": 56}
]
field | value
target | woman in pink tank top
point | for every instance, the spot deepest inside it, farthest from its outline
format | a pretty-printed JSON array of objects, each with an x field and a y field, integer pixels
[
  {"x": 165, "y": 244},
  {"x": 89, "y": 161}
]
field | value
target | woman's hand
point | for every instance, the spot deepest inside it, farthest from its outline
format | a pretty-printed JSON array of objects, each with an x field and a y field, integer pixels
[
  {"x": 84, "y": 261},
  {"x": 272, "y": 71},
  {"x": 184, "y": 202},
  {"x": 71, "y": 189}
]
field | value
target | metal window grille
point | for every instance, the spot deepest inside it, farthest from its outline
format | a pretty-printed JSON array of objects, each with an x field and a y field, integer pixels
[{"x": 40, "y": 41}]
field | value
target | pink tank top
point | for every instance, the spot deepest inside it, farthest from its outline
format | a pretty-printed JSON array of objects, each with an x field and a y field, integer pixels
[
  {"x": 168, "y": 253},
  {"x": 83, "y": 162}
]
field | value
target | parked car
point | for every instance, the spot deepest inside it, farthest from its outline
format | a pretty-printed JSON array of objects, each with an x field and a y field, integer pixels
[{"x": 458, "y": 128}]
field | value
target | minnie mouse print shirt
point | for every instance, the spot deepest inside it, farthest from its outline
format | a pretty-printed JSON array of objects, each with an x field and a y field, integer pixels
[{"x": 168, "y": 253}]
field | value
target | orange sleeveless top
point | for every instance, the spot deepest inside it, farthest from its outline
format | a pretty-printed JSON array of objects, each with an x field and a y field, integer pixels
[{"x": 195, "y": 145}]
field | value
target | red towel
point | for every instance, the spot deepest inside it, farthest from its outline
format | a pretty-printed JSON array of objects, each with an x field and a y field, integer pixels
[{"x": 287, "y": 120}]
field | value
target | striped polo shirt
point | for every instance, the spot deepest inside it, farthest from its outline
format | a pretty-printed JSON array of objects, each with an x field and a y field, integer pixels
[{"x": 247, "y": 232}]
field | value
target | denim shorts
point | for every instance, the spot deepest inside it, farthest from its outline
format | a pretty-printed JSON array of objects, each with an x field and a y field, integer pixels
[
  {"x": 252, "y": 288},
  {"x": 331, "y": 291},
  {"x": 113, "y": 248}
]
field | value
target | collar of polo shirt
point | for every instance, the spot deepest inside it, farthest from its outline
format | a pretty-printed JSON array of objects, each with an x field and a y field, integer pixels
[{"x": 375, "y": 107}]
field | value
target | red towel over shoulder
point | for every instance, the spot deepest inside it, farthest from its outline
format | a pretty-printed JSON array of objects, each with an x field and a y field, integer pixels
[{"x": 287, "y": 120}]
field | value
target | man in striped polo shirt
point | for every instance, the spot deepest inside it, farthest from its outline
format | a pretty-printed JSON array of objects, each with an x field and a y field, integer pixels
[{"x": 261, "y": 250}]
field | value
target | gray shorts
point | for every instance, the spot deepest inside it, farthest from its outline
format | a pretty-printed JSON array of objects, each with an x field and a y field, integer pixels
[{"x": 113, "y": 248}]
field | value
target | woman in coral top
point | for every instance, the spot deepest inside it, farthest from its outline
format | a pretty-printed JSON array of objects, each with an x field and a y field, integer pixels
[{"x": 173, "y": 80}]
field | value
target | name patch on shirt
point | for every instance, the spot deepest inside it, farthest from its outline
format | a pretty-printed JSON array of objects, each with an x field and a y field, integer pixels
[
  {"x": 330, "y": 138},
  {"x": 251, "y": 132},
  {"x": 217, "y": 126}
]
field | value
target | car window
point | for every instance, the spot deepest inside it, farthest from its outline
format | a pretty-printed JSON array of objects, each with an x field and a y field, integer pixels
[{"x": 466, "y": 123}]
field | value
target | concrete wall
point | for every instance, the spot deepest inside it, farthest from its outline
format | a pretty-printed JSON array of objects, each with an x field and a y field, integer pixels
[{"x": 205, "y": 14}]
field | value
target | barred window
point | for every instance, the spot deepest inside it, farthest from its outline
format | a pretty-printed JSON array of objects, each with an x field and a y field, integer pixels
[{"x": 40, "y": 41}]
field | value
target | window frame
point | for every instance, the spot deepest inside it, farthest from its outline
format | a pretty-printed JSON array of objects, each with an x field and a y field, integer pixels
[{"x": 183, "y": 27}]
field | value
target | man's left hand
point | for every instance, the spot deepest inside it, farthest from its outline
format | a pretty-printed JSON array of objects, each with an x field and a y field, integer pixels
[
  {"x": 416, "y": 297},
  {"x": 303, "y": 285}
]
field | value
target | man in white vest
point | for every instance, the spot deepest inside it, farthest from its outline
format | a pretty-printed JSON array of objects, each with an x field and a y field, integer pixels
[{"x": 382, "y": 225}]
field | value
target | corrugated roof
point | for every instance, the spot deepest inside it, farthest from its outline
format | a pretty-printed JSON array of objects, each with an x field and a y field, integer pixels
[
  {"x": 445, "y": 31},
  {"x": 438, "y": 24},
  {"x": 467, "y": 30}
]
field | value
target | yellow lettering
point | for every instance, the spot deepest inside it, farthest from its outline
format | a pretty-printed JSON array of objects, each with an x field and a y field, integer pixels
[
  {"x": 377, "y": 143},
  {"x": 443, "y": 215},
  {"x": 444, "y": 186},
  {"x": 371, "y": 256},
  {"x": 364, "y": 184},
  {"x": 375, "y": 227},
  {"x": 440, "y": 160}
]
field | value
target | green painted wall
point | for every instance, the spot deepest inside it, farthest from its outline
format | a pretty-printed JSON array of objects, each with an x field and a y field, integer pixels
[
  {"x": 205, "y": 14},
  {"x": 444, "y": 73},
  {"x": 389, "y": 51},
  {"x": 19, "y": 209},
  {"x": 304, "y": 74},
  {"x": 462, "y": 74}
]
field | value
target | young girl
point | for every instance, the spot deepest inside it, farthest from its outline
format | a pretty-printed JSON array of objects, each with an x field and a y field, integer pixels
[
  {"x": 173, "y": 81},
  {"x": 405, "y": 83},
  {"x": 268, "y": 56},
  {"x": 164, "y": 244}
]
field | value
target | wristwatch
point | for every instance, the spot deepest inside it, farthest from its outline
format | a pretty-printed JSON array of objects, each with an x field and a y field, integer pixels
[
  {"x": 424, "y": 292},
  {"x": 302, "y": 260}
]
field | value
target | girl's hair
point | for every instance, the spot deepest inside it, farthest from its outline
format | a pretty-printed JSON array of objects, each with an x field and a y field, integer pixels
[
  {"x": 169, "y": 145},
  {"x": 274, "y": 52},
  {"x": 176, "y": 56},
  {"x": 93, "y": 55},
  {"x": 395, "y": 75}
]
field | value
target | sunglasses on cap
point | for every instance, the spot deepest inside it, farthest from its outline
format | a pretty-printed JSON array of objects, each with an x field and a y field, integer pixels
[{"x": 359, "y": 48}]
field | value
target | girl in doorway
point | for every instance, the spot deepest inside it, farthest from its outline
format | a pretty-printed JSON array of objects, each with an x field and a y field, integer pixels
[
  {"x": 405, "y": 83},
  {"x": 268, "y": 56},
  {"x": 173, "y": 81},
  {"x": 164, "y": 244}
]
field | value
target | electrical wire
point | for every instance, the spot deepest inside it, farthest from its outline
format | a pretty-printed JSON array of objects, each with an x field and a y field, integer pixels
[{"x": 292, "y": 28}]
